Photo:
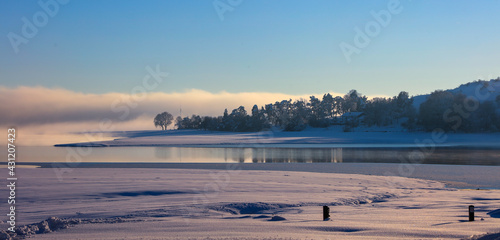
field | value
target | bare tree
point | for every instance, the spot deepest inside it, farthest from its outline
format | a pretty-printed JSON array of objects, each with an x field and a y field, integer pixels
[{"x": 163, "y": 120}]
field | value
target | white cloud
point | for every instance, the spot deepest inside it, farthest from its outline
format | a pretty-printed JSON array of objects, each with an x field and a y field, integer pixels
[
  {"x": 40, "y": 106},
  {"x": 41, "y": 114}
]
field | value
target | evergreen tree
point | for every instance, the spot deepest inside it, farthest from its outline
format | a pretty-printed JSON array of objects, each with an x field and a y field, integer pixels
[{"x": 431, "y": 113}]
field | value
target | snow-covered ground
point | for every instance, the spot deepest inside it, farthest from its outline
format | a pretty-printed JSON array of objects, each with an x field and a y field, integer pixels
[
  {"x": 312, "y": 137},
  {"x": 114, "y": 203},
  {"x": 156, "y": 203}
]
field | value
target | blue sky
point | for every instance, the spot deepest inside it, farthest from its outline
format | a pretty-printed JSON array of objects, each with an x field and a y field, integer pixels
[{"x": 289, "y": 47}]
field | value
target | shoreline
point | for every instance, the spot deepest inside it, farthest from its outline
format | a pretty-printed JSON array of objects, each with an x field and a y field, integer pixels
[
  {"x": 311, "y": 138},
  {"x": 284, "y": 145}
]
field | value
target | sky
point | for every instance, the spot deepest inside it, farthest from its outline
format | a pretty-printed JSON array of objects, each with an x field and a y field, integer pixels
[{"x": 255, "y": 51}]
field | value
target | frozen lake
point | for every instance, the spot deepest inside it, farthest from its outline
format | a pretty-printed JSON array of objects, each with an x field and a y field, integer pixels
[{"x": 283, "y": 154}]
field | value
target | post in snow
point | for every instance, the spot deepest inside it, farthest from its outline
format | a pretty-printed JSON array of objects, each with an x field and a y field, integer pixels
[
  {"x": 471, "y": 213},
  {"x": 326, "y": 213}
]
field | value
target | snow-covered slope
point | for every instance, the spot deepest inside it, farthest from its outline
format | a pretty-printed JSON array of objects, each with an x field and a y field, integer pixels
[{"x": 480, "y": 90}]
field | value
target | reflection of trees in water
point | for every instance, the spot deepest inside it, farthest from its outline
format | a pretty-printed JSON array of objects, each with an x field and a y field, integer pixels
[
  {"x": 463, "y": 156},
  {"x": 371, "y": 155},
  {"x": 258, "y": 155},
  {"x": 163, "y": 152},
  {"x": 237, "y": 154},
  {"x": 293, "y": 155}
]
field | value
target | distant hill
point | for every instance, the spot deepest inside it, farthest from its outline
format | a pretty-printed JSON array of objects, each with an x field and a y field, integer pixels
[{"x": 481, "y": 90}]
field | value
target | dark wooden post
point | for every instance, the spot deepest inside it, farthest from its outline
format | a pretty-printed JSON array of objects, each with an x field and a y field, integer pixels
[
  {"x": 326, "y": 212},
  {"x": 471, "y": 213}
]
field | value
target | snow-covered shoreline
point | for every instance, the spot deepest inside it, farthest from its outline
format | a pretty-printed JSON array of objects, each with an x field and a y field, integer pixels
[
  {"x": 234, "y": 203},
  {"x": 333, "y": 137}
]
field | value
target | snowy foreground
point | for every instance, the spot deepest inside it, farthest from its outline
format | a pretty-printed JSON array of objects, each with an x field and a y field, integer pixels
[{"x": 118, "y": 203}]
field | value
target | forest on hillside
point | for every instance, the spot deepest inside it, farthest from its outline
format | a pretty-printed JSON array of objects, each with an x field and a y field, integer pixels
[{"x": 441, "y": 110}]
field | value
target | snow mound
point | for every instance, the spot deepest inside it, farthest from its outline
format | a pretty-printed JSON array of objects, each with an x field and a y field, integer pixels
[
  {"x": 53, "y": 224},
  {"x": 335, "y": 229},
  {"x": 252, "y": 208},
  {"x": 273, "y": 208},
  {"x": 142, "y": 193},
  {"x": 495, "y": 213},
  {"x": 277, "y": 218},
  {"x": 46, "y": 226}
]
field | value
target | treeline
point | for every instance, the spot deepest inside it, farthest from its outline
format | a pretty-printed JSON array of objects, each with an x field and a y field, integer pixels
[
  {"x": 442, "y": 109},
  {"x": 297, "y": 115},
  {"x": 459, "y": 113}
]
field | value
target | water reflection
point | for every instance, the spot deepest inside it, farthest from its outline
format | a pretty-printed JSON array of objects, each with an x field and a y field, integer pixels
[
  {"x": 290, "y": 155},
  {"x": 461, "y": 156}
]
